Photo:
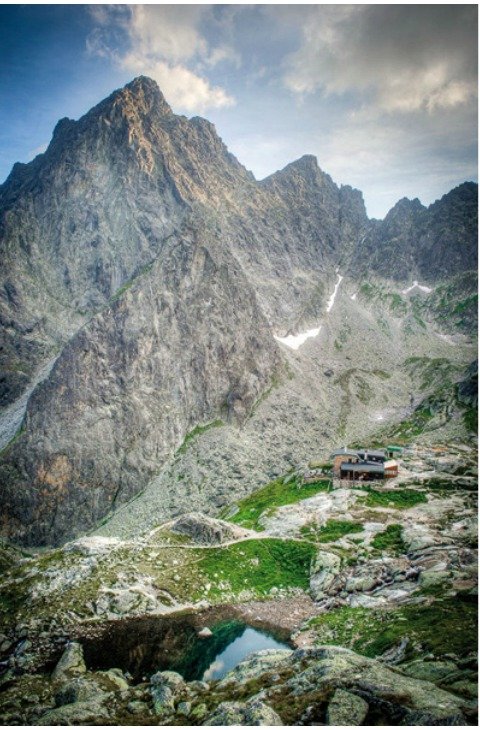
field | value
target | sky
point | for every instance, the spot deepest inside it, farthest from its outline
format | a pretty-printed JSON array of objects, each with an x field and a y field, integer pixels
[{"x": 385, "y": 96}]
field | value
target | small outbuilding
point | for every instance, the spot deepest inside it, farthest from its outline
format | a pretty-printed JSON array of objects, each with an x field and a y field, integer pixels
[
  {"x": 390, "y": 468},
  {"x": 394, "y": 452}
]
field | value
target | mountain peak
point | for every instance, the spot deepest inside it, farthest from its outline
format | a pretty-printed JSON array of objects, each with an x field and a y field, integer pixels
[{"x": 143, "y": 93}]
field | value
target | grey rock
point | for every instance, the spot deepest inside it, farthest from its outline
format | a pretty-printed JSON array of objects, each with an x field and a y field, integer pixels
[
  {"x": 198, "y": 686},
  {"x": 184, "y": 708},
  {"x": 324, "y": 570},
  {"x": 240, "y": 713},
  {"x": 136, "y": 707},
  {"x": 172, "y": 680},
  {"x": 205, "y": 633},
  {"x": 418, "y": 702},
  {"x": 78, "y": 690},
  {"x": 163, "y": 700},
  {"x": 78, "y": 713},
  {"x": 346, "y": 708},
  {"x": 203, "y": 529},
  {"x": 433, "y": 578},
  {"x": 255, "y": 665},
  {"x": 117, "y": 678},
  {"x": 71, "y": 662},
  {"x": 432, "y": 671}
]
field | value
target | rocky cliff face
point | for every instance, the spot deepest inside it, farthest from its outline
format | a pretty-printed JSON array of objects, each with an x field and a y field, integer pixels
[
  {"x": 431, "y": 243},
  {"x": 151, "y": 266}
]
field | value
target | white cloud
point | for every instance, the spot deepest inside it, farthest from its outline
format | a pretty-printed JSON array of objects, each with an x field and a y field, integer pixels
[
  {"x": 181, "y": 87},
  {"x": 164, "y": 42},
  {"x": 398, "y": 58}
]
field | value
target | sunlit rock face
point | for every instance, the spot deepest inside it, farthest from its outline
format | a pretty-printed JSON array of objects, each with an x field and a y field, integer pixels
[{"x": 148, "y": 283}]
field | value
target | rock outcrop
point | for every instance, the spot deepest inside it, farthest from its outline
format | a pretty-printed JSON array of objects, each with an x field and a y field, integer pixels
[{"x": 205, "y": 530}]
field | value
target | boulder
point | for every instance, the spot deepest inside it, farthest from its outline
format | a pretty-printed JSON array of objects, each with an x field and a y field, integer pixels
[
  {"x": 255, "y": 665},
  {"x": 172, "y": 680},
  {"x": 78, "y": 713},
  {"x": 204, "y": 530},
  {"x": 117, "y": 678},
  {"x": 431, "y": 671},
  {"x": 163, "y": 700},
  {"x": 205, "y": 633},
  {"x": 241, "y": 713},
  {"x": 415, "y": 702},
  {"x": 78, "y": 690},
  {"x": 418, "y": 537},
  {"x": 136, "y": 707},
  {"x": 433, "y": 578},
  {"x": 324, "y": 570},
  {"x": 184, "y": 708},
  {"x": 71, "y": 663},
  {"x": 346, "y": 708}
]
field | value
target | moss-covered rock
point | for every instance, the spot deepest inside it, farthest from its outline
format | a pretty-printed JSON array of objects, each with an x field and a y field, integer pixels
[
  {"x": 240, "y": 713},
  {"x": 71, "y": 663},
  {"x": 346, "y": 708}
]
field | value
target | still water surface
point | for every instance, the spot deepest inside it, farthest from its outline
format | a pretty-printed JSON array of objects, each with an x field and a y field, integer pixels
[
  {"x": 147, "y": 645},
  {"x": 250, "y": 641}
]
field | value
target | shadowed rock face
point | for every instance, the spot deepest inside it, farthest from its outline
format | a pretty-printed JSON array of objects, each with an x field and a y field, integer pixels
[
  {"x": 424, "y": 243},
  {"x": 184, "y": 346},
  {"x": 139, "y": 252}
]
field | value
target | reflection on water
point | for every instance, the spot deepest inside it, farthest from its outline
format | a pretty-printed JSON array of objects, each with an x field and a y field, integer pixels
[
  {"x": 250, "y": 641},
  {"x": 147, "y": 645}
]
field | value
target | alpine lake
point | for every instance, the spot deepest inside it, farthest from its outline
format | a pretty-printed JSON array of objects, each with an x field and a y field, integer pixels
[{"x": 143, "y": 646}]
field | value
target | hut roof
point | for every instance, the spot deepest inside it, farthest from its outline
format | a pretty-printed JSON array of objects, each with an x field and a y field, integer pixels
[
  {"x": 363, "y": 466},
  {"x": 369, "y": 452}
]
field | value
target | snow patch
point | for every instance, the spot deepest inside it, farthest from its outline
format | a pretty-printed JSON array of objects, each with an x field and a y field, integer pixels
[
  {"x": 331, "y": 301},
  {"x": 294, "y": 341},
  {"x": 416, "y": 285}
]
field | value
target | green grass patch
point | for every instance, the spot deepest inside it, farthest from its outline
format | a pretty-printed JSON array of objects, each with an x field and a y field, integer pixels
[
  {"x": 448, "y": 625},
  {"x": 195, "y": 433},
  {"x": 399, "y": 498},
  {"x": 258, "y": 565},
  {"x": 128, "y": 284},
  {"x": 331, "y": 531},
  {"x": 273, "y": 495},
  {"x": 390, "y": 541}
]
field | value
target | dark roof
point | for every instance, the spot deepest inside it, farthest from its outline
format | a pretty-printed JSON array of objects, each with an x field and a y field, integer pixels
[
  {"x": 363, "y": 466},
  {"x": 345, "y": 452},
  {"x": 369, "y": 452}
]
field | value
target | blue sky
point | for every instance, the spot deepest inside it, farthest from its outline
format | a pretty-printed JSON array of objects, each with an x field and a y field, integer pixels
[{"x": 383, "y": 95}]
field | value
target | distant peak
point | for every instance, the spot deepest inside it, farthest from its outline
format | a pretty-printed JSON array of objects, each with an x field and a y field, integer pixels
[
  {"x": 406, "y": 206},
  {"x": 305, "y": 162}
]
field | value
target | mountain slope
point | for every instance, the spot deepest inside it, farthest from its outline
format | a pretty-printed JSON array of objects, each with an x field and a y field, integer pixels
[{"x": 146, "y": 276}]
